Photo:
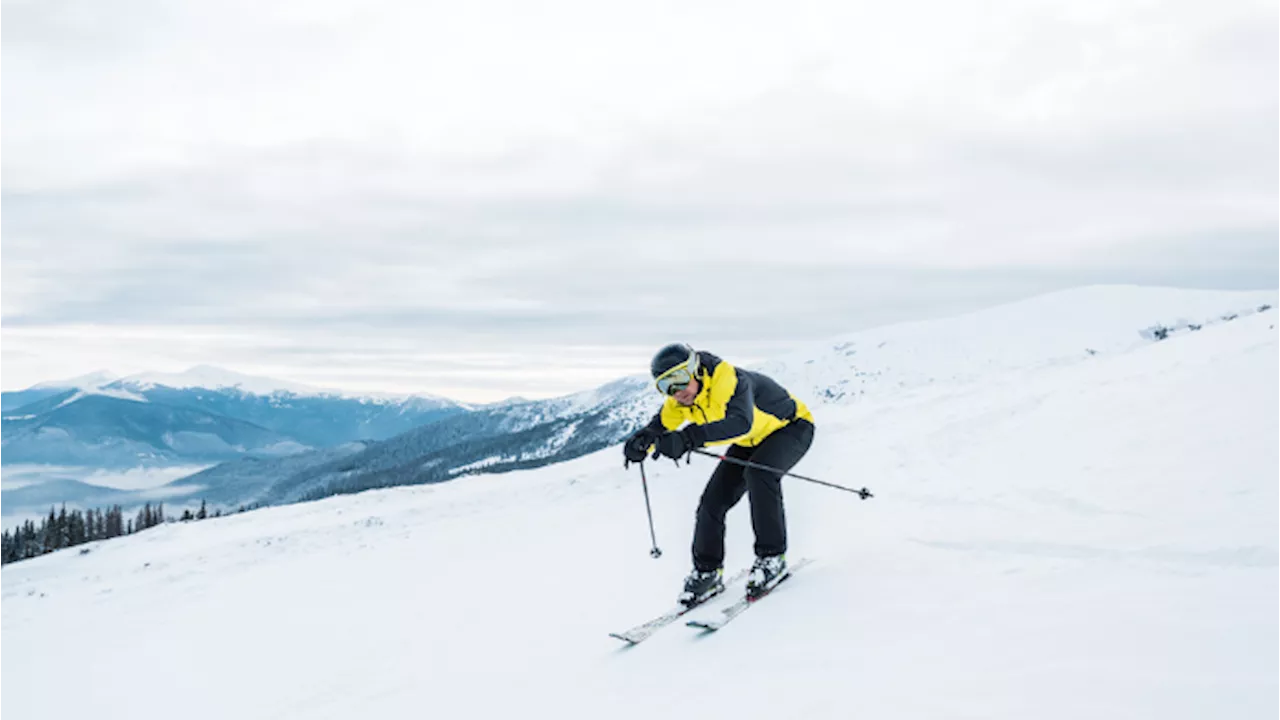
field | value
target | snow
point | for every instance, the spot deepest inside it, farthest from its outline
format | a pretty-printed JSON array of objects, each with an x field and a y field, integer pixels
[
  {"x": 118, "y": 393},
  {"x": 556, "y": 442},
  {"x": 1056, "y": 534},
  {"x": 1005, "y": 341},
  {"x": 480, "y": 464},
  {"x": 552, "y": 446},
  {"x": 384, "y": 397}
]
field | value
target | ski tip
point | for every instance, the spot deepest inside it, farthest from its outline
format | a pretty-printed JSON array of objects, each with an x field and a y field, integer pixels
[
  {"x": 702, "y": 625},
  {"x": 623, "y": 638}
]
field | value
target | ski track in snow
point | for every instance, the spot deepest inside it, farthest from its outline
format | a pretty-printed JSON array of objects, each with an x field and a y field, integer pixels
[{"x": 1090, "y": 537}]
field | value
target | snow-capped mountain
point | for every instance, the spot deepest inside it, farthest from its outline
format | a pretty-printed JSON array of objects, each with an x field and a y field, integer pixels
[
  {"x": 447, "y": 442},
  {"x": 1056, "y": 534},
  {"x": 492, "y": 439},
  {"x": 119, "y": 429},
  {"x": 96, "y": 420},
  {"x": 90, "y": 383},
  {"x": 40, "y": 391}
]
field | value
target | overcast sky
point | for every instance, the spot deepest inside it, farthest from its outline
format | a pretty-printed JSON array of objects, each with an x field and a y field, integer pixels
[{"x": 483, "y": 199}]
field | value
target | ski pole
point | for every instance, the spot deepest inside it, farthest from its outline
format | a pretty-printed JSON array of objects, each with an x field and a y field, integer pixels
[
  {"x": 655, "y": 553},
  {"x": 862, "y": 493}
]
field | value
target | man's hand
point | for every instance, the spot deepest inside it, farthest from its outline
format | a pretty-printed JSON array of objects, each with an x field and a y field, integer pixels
[
  {"x": 637, "y": 446},
  {"x": 679, "y": 443}
]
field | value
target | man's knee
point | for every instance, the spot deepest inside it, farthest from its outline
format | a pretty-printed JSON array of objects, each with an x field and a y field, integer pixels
[{"x": 763, "y": 480}]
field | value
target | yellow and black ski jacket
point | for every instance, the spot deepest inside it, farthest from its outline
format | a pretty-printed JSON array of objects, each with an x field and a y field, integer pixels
[{"x": 733, "y": 406}]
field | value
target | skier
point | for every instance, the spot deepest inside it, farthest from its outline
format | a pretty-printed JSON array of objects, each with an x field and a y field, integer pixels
[{"x": 710, "y": 402}]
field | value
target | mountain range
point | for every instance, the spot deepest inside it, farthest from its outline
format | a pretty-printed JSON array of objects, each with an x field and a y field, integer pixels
[
  {"x": 204, "y": 415},
  {"x": 285, "y": 446},
  {"x": 269, "y": 442}
]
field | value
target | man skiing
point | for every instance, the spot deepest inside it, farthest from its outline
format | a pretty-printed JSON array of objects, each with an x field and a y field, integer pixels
[{"x": 710, "y": 402}]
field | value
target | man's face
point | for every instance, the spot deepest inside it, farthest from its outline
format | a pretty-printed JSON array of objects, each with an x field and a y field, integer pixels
[{"x": 685, "y": 397}]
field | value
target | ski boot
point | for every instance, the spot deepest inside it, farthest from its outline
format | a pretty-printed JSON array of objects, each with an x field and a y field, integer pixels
[
  {"x": 701, "y": 586},
  {"x": 766, "y": 573}
]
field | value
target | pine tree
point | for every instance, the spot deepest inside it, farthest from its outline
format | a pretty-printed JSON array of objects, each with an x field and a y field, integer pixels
[
  {"x": 48, "y": 532},
  {"x": 64, "y": 529},
  {"x": 115, "y": 521},
  {"x": 30, "y": 539},
  {"x": 27, "y": 542},
  {"x": 203, "y": 512},
  {"x": 72, "y": 534}
]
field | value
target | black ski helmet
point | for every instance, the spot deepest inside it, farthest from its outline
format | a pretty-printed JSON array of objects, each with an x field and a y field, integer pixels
[{"x": 672, "y": 355}]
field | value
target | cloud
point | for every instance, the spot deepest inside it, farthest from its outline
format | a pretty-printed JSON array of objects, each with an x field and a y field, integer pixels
[{"x": 382, "y": 193}]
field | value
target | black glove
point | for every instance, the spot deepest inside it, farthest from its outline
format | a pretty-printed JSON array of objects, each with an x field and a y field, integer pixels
[
  {"x": 679, "y": 443},
  {"x": 637, "y": 446}
]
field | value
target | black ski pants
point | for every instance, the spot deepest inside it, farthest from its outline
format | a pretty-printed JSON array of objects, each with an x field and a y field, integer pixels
[{"x": 782, "y": 449}]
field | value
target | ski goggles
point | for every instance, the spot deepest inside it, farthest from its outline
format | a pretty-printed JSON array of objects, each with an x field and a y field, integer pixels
[{"x": 675, "y": 379}]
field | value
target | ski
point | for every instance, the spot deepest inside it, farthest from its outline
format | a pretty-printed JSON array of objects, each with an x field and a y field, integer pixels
[
  {"x": 643, "y": 631},
  {"x": 743, "y": 603}
]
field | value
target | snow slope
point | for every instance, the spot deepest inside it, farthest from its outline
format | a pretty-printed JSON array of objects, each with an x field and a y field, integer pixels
[{"x": 1092, "y": 536}]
